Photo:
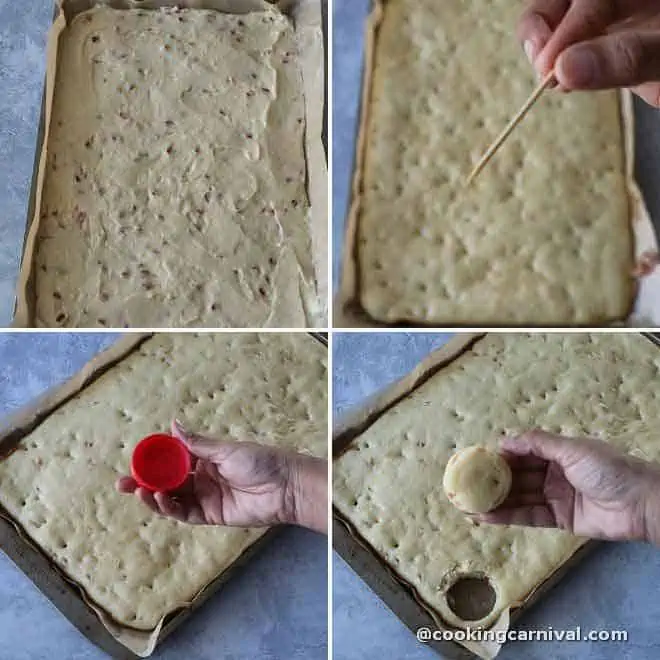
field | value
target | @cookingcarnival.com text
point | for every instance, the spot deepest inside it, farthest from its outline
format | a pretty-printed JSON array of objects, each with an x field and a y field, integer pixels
[{"x": 548, "y": 634}]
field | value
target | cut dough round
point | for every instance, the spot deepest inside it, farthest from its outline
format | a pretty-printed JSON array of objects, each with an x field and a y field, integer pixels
[{"x": 477, "y": 480}]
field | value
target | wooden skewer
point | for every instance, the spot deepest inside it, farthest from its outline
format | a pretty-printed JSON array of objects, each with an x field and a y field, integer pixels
[{"x": 492, "y": 150}]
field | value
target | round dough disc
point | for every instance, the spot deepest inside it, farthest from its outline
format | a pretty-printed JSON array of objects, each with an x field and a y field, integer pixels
[{"x": 477, "y": 480}]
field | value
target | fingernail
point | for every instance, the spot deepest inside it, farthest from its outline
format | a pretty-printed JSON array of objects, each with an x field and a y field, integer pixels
[
  {"x": 179, "y": 426},
  {"x": 578, "y": 67},
  {"x": 530, "y": 50}
]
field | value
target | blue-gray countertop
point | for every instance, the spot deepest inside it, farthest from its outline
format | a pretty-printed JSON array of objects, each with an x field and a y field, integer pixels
[
  {"x": 23, "y": 28},
  {"x": 275, "y": 608},
  {"x": 615, "y": 588}
]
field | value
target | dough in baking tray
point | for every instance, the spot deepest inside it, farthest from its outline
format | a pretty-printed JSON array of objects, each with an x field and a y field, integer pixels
[
  {"x": 389, "y": 485},
  {"x": 542, "y": 237},
  {"x": 174, "y": 190},
  {"x": 59, "y": 485}
]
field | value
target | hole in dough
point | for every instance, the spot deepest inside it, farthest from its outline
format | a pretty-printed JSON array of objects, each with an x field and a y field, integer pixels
[{"x": 471, "y": 597}]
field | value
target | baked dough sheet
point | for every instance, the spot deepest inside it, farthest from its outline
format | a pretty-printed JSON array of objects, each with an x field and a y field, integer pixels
[
  {"x": 59, "y": 484},
  {"x": 174, "y": 191},
  {"x": 388, "y": 483},
  {"x": 542, "y": 238}
]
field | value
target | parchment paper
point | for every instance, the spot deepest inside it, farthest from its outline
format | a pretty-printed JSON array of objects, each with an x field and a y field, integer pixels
[
  {"x": 16, "y": 427},
  {"x": 307, "y": 18},
  {"x": 357, "y": 421},
  {"x": 348, "y": 312}
]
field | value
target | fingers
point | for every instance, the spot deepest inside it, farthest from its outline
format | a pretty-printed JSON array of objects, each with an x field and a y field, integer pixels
[
  {"x": 527, "y": 489},
  {"x": 198, "y": 445},
  {"x": 167, "y": 506},
  {"x": 541, "y": 445},
  {"x": 147, "y": 498},
  {"x": 585, "y": 19},
  {"x": 517, "y": 500},
  {"x": 518, "y": 463},
  {"x": 535, "y": 515},
  {"x": 525, "y": 481},
  {"x": 623, "y": 59},
  {"x": 126, "y": 485},
  {"x": 211, "y": 498},
  {"x": 179, "y": 431},
  {"x": 182, "y": 509},
  {"x": 650, "y": 92},
  {"x": 548, "y": 27},
  {"x": 215, "y": 450},
  {"x": 537, "y": 24}
]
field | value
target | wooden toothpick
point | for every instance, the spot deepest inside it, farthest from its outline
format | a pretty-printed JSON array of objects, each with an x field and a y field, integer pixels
[{"x": 492, "y": 150}]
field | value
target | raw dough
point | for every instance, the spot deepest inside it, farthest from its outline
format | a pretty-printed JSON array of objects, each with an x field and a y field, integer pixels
[
  {"x": 388, "y": 487},
  {"x": 477, "y": 480},
  {"x": 552, "y": 206},
  {"x": 175, "y": 181},
  {"x": 60, "y": 484}
]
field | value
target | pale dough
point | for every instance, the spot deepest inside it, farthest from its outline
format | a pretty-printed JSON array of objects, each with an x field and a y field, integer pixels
[
  {"x": 389, "y": 484},
  {"x": 543, "y": 237},
  {"x": 175, "y": 179},
  {"x": 60, "y": 484},
  {"x": 477, "y": 480}
]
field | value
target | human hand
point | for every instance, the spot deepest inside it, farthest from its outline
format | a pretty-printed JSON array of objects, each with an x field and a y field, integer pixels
[
  {"x": 582, "y": 485},
  {"x": 243, "y": 484},
  {"x": 595, "y": 44}
]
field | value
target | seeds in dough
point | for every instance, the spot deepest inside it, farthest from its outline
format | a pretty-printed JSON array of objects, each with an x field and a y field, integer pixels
[{"x": 477, "y": 480}]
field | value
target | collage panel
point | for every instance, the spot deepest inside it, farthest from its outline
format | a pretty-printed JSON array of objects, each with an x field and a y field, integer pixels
[
  {"x": 203, "y": 329},
  {"x": 433, "y": 226},
  {"x": 179, "y": 176},
  {"x": 156, "y": 488},
  {"x": 475, "y": 478}
]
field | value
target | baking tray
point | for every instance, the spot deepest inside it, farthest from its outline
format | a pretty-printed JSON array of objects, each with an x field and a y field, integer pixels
[
  {"x": 35, "y": 564},
  {"x": 642, "y": 169},
  {"x": 357, "y": 552},
  {"x": 316, "y": 184}
]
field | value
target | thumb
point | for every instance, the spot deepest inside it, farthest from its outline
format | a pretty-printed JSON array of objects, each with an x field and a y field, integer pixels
[
  {"x": 623, "y": 59},
  {"x": 198, "y": 445},
  {"x": 550, "y": 447}
]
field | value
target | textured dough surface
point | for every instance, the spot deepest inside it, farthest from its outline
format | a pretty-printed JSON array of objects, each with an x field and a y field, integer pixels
[
  {"x": 552, "y": 206},
  {"x": 175, "y": 184},
  {"x": 477, "y": 480},
  {"x": 60, "y": 485},
  {"x": 389, "y": 483}
]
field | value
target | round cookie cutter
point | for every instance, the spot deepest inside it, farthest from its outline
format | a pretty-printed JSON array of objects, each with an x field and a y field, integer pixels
[{"x": 160, "y": 463}]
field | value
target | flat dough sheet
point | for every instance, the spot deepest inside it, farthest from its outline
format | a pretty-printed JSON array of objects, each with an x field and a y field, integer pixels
[
  {"x": 388, "y": 484},
  {"x": 543, "y": 237},
  {"x": 60, "y": 485},
  {"x": 175, "y": 181}
]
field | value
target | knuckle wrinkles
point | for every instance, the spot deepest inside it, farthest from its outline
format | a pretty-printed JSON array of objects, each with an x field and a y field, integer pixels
[
  {"x": 527, "y": 24},
  {"x": 595, "y": 16},
  {"x": 629, "y": 54},
  {"x": 591, "y": 22}
]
